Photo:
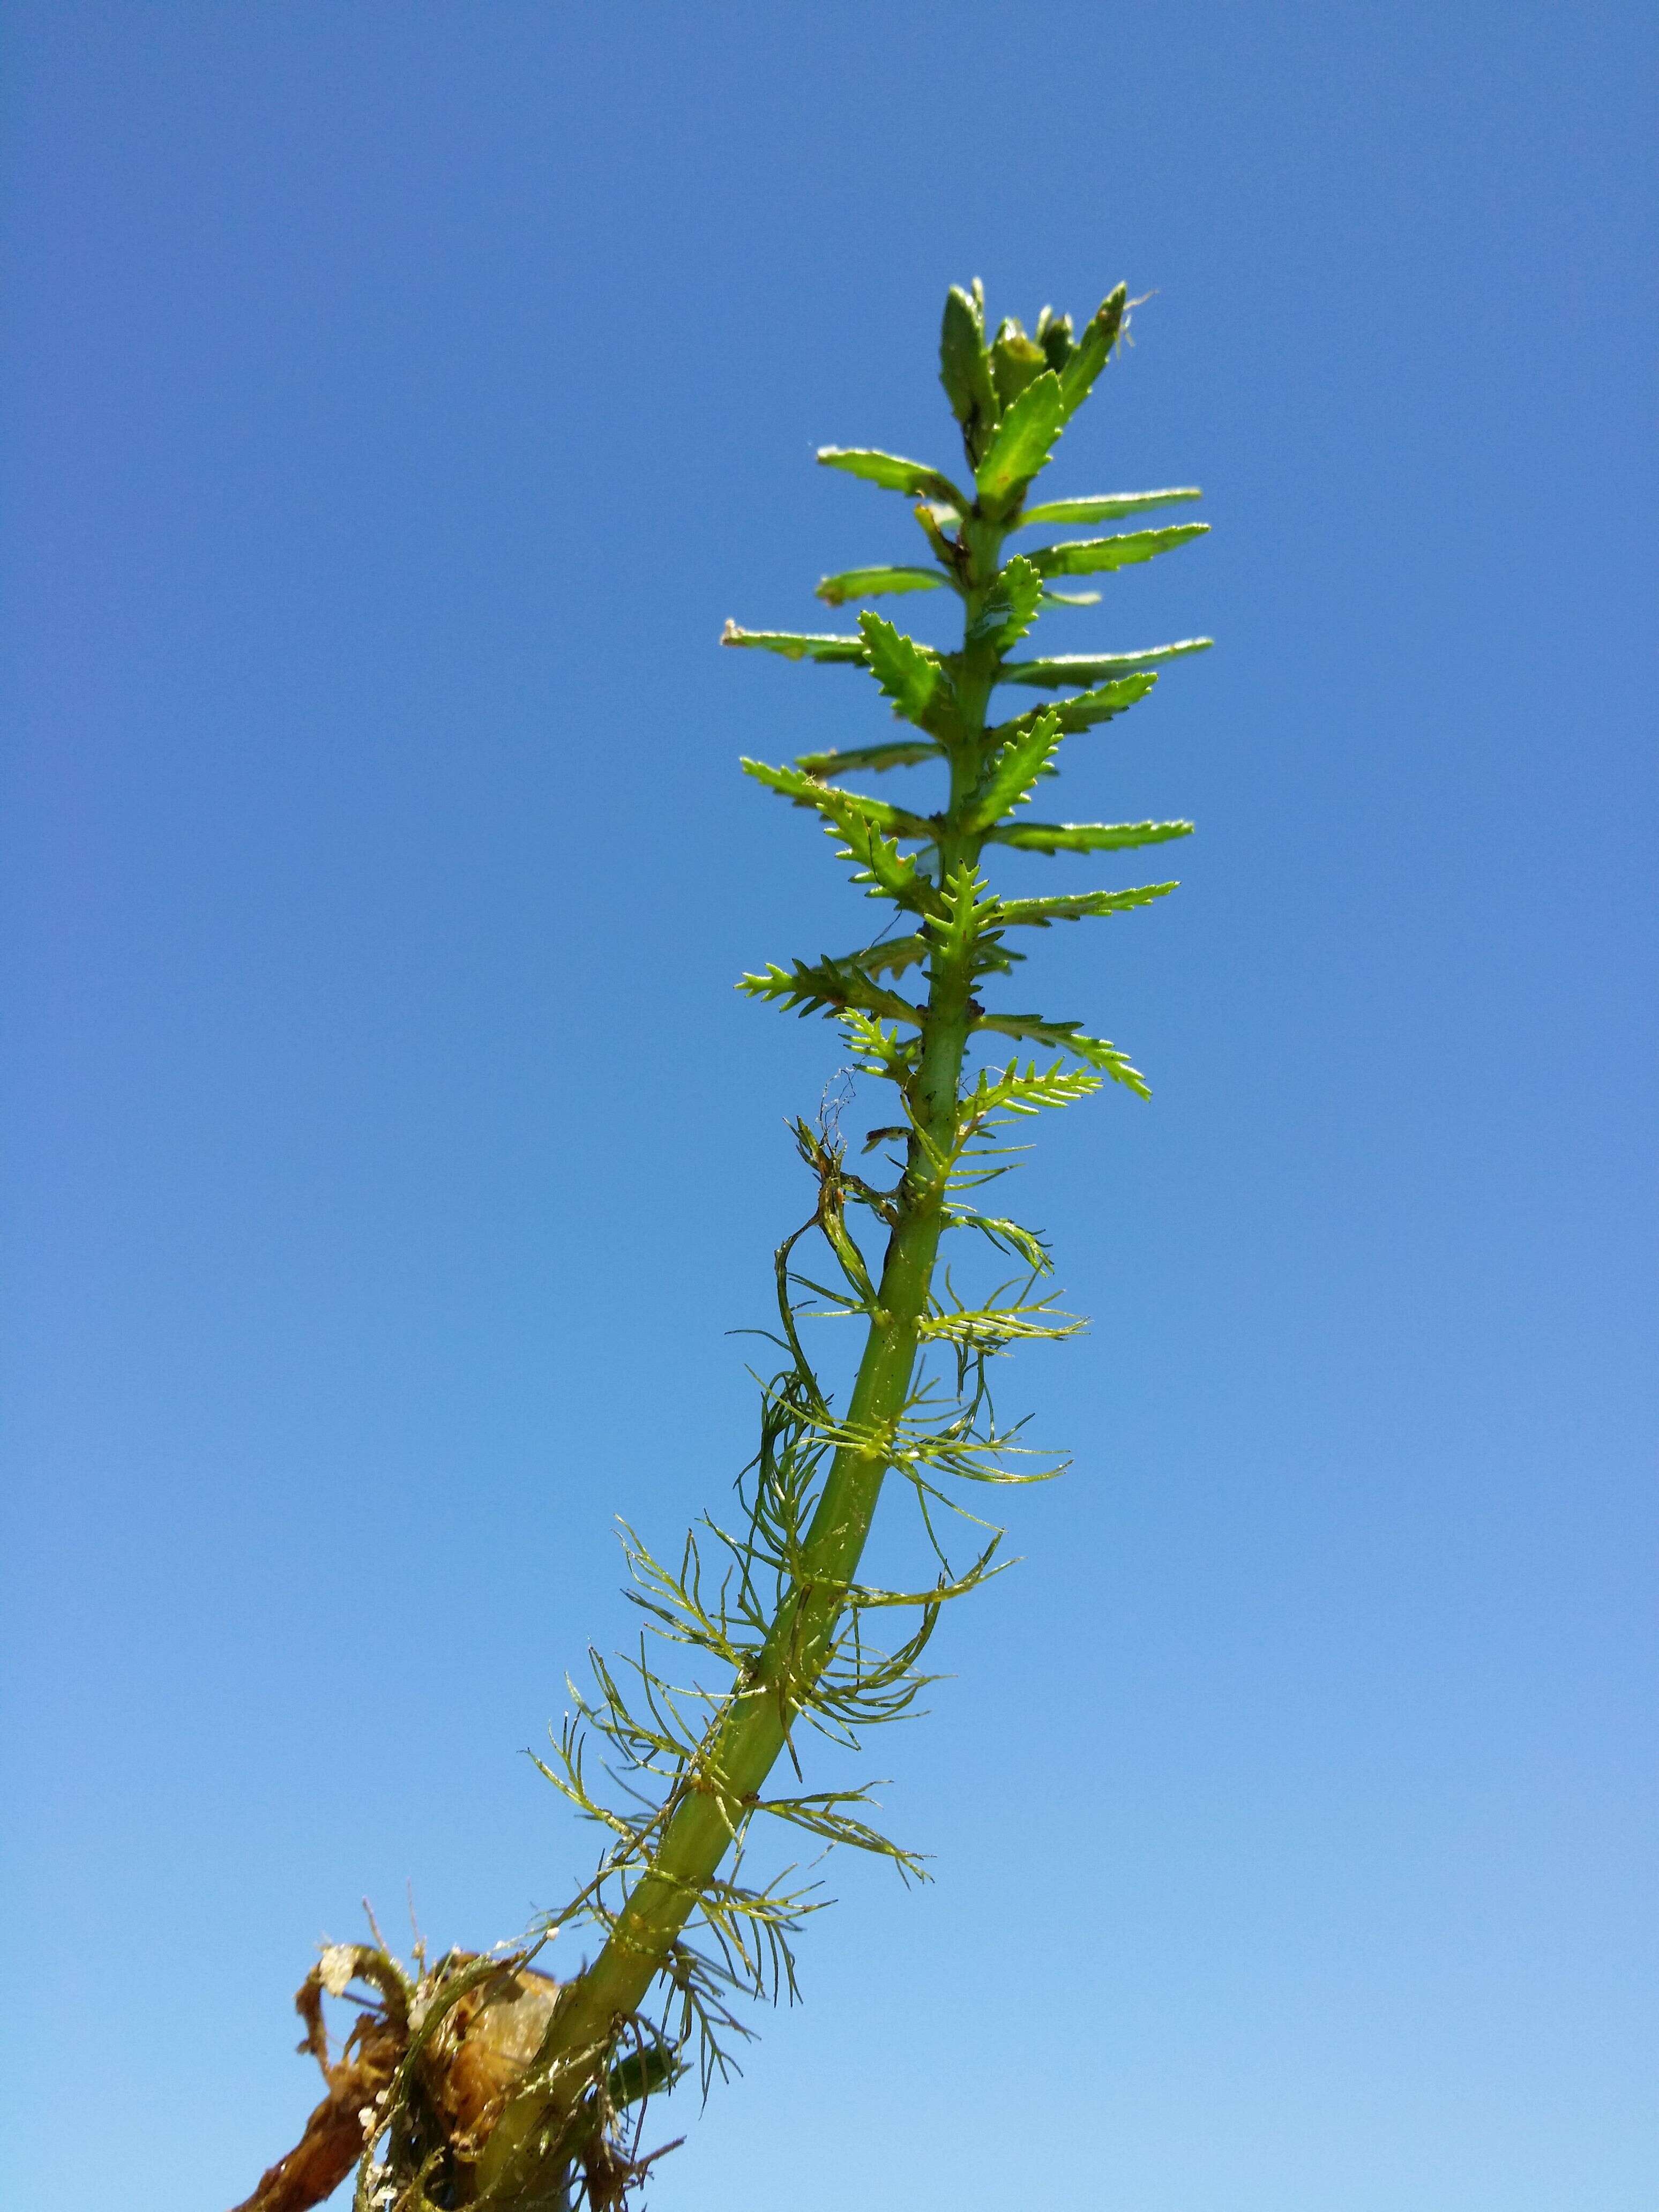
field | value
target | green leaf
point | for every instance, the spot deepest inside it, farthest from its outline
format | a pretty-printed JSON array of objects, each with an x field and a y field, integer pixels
[
  {"x": 912, "y": 676},
  {"x": 838, "y": 805},
  {"x": 1066, "y": 669},
  {"x": 966, "y": 910},
  {"x": 1068, "y": 1037},
  {"x": 826, "y": 986},
  {"x": 1081, "y": 906},
  {"x": 875, "y": 583},
  {"x": 889, "y": 874},
  {"x": 1016, "y": 770},
  {"x": 891, "y": 958},
  {"x": 1024, "y": 440},
  {"x": 1011, "y": 606},
  {"x": 1086, "y": 836},
  {"x": 1031, "y": 1093},
  {"x": 1054, "y": 335},
  {"x": 1082, "y": 711},
  {"x": 894, "y": 473},
  {"x": 1054, "y": 598},
  {"x": 1106, "y": 506},
  {"x": 1016, "y": 361},
  {"x": 1084, "y": 555},
  {"x": 1090, "y": 355},
  {"x": 907, "y": 752},
  {"x": 796, "y": 645},
  {"x": 964, "y": 367},
  {"x": 1007, "y": 1236}
]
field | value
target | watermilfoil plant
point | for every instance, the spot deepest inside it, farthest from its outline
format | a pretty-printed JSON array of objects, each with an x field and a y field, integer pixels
[{"x": 481, "y": 2079}]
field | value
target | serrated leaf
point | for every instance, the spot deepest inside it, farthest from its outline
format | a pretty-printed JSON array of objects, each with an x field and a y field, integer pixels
[
  {"x": 1086, "y": 836},
  {"x": 894, "y": 473},
  {"x": 1064, "y": 669},
  {"x": 964, "y": 369},
  {"x": 1016, "y": 770},
  {"x": 826, "y": 986},
  {"x": 1024, "y": 441},
  {"x": 796, "y": 645},
  {"x": 1054, "y": 335},
  {"x": 912, "y": 676},
  {"x": 835, "y": 805},
  {"x": 1084, "y": 556},
  {"x": 891, "y": 958},
  {"x": 1105, "y": 505},
  {"x": 1016, "y": 361},
  {"x": 1033, "y": 1091},
  {"x": 907, "y": 752},
  {"x": 1090, "y": 353},
  {"x": 879, "y": 863},
  {"x": 875, "y": 584},
  {"x": 1080, "y": 906},
  {"x": 1108, "y": 700},
  {"x": 1011, "y": 606},
  {"x": 1068, "y": 1037},
  {"x": 965, "y": 909}
]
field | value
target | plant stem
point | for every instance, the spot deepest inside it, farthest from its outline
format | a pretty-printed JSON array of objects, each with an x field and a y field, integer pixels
[{"x": 745, "y": 1739}]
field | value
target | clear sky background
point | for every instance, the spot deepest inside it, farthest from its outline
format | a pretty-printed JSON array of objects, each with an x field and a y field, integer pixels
[{"x": 397, "y": 400}]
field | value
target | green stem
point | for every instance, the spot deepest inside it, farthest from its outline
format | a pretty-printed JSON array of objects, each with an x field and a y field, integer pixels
[{"x": 746, "y": 1738}]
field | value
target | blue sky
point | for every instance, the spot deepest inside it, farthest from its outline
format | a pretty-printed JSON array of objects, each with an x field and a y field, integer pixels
[{"x": 397, "y": 400}]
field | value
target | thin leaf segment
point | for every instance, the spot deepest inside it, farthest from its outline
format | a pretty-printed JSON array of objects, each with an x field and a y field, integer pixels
[{"x": 771, "y": 1621}]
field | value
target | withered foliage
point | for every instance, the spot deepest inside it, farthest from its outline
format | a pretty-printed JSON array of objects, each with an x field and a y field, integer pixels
[{"x": 428, "y": 2068}]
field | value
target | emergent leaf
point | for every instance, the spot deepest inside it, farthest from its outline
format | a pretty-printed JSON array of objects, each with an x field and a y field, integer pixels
[
  {"x": 1084, "y": 555},
  {"x": 1089, "y": 355},
  {"x": 1068, "y": 668},
  {"x": 1086, "y": 836},
  {"x": 909, "y": 674},
  {"x": 894, "y": 473},
  {"x": 1068, "y": 1037},
  {"x": 1016, "y": 770},
  {"x": 1023, "y": 443},
  {"x": 1011, "y": 606},
  {"x": 875, "y": 583},
  {"x": 1081, "y": 906},
  {"x": 907, "y": 752},
  {"x": 796, "y": 645},
  {"x": 1106, "y": 506},
  {"x": 820, "y": 986},
  {"x": 964, "y": 367},
  {"x": 837, "y": 805}
]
